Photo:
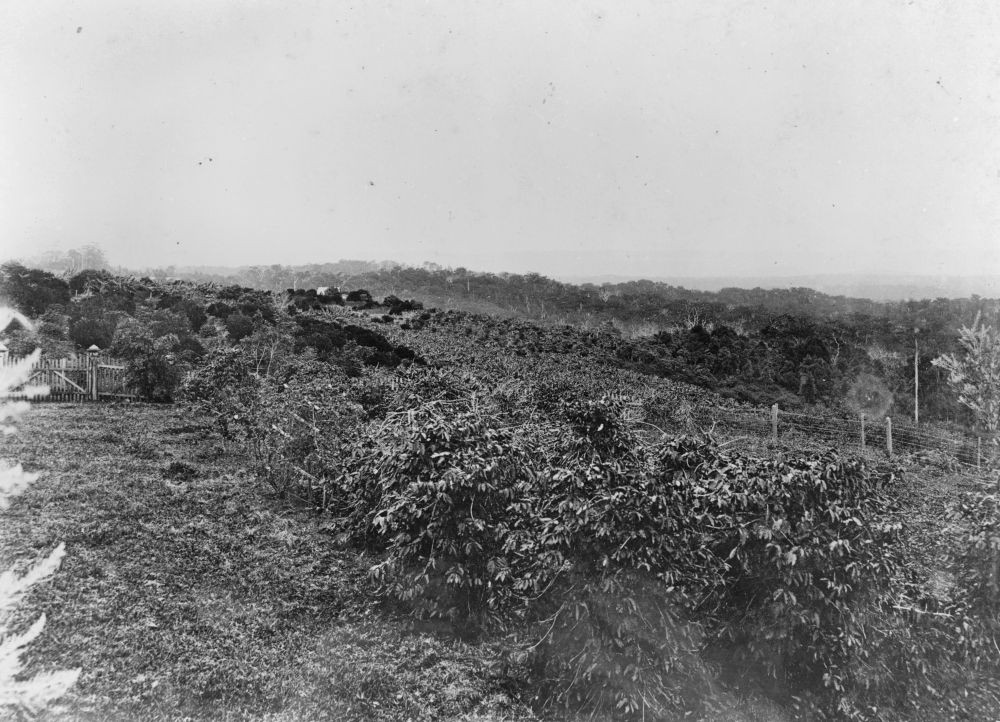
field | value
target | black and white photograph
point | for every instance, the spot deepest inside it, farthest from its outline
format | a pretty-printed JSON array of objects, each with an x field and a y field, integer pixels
[{"x": 501, "y": 361}]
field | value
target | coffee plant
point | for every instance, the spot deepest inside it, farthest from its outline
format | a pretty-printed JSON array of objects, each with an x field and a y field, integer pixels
[
  {"x": 631, "y": 569},
  {"x": 623, "y": 569}
]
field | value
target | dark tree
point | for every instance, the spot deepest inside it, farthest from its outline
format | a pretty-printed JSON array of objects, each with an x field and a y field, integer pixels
[
  {"x": 31, "y": 290},
  {"x": 239, "y": 326},
  {"x": 87, "y": 332}
]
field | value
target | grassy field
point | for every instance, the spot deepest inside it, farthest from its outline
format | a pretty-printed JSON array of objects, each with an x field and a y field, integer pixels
[{"x": 187, "y": 592}]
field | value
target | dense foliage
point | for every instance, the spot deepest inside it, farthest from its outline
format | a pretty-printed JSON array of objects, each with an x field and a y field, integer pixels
[
  {"x": 552, "y": 488},
  {"x": 975, "y": 374},
  {"x": 629, "y": 572},
  {"x": 160, "y": 330},
  {"x": 791, "y": 346},
  {"x": 30, "y": 290},
  {"x": 794, "y": 346}
]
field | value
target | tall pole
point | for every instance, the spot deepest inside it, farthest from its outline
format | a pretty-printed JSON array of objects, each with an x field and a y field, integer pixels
[{"x": 916, "y": 380}]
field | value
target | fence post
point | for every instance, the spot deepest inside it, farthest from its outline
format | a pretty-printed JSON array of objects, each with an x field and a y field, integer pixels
[
  {"x": 92, "y": 353},
  {"x": 862, "y": 432},
  {"x": 774, "y": 423},
  {"x": 979, "y": 452},
  {"x": 888, "y": 435}
]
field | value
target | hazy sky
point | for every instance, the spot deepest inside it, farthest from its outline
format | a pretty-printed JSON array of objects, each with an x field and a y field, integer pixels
[{"x": 643, "y": 138}]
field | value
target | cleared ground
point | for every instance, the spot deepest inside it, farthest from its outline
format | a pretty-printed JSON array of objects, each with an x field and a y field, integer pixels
[{"x": 187, "y": 592}]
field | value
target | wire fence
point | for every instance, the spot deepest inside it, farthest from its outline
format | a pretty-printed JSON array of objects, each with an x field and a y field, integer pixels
[{"x": 954, "y": 451}]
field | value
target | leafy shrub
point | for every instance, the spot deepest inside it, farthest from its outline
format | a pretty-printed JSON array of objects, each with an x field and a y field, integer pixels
[
  {"x": 311, "y": 300},
  {"x": 232, "y": 293},
  {"x": 978, "y": 557},
  {"x": 600, "y": 423},
  {"x": 154, "y": 372},
  {"x": 257, "y": 304},
  {"x": 190, "y": 348},
  {"x": 306, "y": 432},
  {"x": 359, "y": 296},
  {"x": 330, "y": 337},
  {"x": 398, "y": 306},
  {"x": 168, "y": 300},
  {"x": 86, "y": 332},
  {"x": 31, "y": 290},
  {"x": 932, "y": 654},
  {"x": 439, "y": 508},
  {"x": 219, "y": 309},
  {"x": 616, "y": 644},
  {"x": 226, "y": 388},
  {"x": 294, "y": 422},
  {"x": 239, "y": 326},
  {"x": 195, "y": 314},
  {"x": 494, "y": 526},
  {"x": 160, "y": 323},
  {"x": 604, "y": 551},
  {"x": 88, "y": 279}
]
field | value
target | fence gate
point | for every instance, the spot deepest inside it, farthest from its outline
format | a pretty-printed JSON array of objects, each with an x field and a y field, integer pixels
[
  {"x": 111, "y": 383},
  {"x": 82, "y": 377}
]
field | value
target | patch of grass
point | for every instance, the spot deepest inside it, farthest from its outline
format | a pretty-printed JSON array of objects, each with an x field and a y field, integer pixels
[
  {"x": 364, "y": 671},
  {"x": 180, "y": 429},
  {"x": 205, "y": 600},
  {"x": 141, "y": 447}
]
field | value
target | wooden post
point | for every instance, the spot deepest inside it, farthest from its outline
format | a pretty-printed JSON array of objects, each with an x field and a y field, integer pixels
[
  {"x": 774, "y": 423},
  {"x": 916, "y": 380},
  {"x": 979, "y": 452},
  {"x": 888, "y": 435},
  {"x": 93, "y": 352},
  {"x": 862, "y": 432}
]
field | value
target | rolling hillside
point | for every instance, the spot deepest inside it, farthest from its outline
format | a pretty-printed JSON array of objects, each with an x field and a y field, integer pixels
[{"x": 576, "y": 519}]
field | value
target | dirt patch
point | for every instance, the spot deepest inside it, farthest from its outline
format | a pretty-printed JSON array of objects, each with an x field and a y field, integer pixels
[{"x": 180, "y": 471}]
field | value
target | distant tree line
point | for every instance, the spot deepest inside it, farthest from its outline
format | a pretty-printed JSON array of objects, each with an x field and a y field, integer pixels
[
  {"x": 756, "y": 343},
  {"x": 795, "y": 345}
]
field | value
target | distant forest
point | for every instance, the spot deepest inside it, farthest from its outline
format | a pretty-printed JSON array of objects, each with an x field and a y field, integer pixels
[{"x": 796, "y": 346}]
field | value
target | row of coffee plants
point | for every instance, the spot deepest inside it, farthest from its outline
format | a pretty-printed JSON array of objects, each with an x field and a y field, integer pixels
[
  {"x": 805, "y": 346},
  {"x": 627, "y": 572}
]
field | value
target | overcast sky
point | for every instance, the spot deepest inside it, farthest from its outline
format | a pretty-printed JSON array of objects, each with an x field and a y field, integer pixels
[{"x": 640, "y": 138}]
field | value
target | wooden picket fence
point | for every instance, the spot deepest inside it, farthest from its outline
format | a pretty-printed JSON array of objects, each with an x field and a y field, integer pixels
[{"x": 82, "y": 377}]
